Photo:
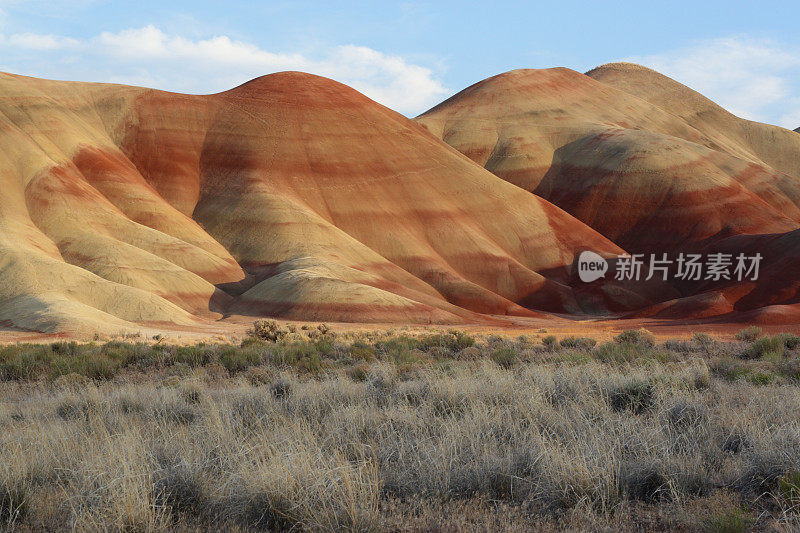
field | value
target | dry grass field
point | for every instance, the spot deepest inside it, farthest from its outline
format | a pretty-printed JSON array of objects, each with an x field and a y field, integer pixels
[{"x": 376, "y": 431}]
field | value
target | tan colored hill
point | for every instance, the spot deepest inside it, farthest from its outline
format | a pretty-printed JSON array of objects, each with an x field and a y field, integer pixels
[
  {"x": 645, "y": 161},
  {"x": 291, "y": 196}
]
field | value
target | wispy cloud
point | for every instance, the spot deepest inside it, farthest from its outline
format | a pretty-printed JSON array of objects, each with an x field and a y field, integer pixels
[
  {"x": 36, "y": 41},
  {"x": 752, "y": 78},
  {"x": 149, "y": 56}
]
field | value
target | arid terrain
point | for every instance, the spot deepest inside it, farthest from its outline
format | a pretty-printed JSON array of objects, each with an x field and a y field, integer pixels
[
  {"x": 293, "y": 196},
  {"x": 287, "y": 307},
  {"x": 303, "y": 428}
]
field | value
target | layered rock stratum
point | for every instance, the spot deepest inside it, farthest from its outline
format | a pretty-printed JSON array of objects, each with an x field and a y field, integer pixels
[
  {"x": 297, "y": 197},
  {"x": 649, "y": 163},
  {"x": 290, "y": 196}
]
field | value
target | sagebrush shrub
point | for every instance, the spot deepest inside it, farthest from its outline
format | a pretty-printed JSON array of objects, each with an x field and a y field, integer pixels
[
  {"x": 748, "y": 334},
  {"x": 504, "y": 357},
  {"x": 636, "y": 336},
  {"x": 790, "y": 340},
  {"x": 362, "y": 350},
  {"x": 613, "y": 352},
  {"x": 269, "y": 330},
  {"x": 764, "y": 346},
  {"x": 703, "y": 340},
  {"x": 585, "y": 343}
]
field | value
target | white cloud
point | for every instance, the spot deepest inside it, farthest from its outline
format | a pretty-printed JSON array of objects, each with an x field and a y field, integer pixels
[
  {"x": 35, "y": 41},
  {"x": 752, "y": 78},
  {"x": 148, "y": 56}
]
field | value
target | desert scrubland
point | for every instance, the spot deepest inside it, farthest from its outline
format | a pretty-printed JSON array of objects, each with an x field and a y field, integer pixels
[{"x": 386, "y": 430}]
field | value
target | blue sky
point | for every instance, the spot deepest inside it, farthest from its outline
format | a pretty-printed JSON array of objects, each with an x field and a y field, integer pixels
[{"x": 411, "y": 55}]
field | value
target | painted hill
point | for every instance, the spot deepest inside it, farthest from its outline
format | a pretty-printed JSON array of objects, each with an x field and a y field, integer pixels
[
  {"x": 291, "y": 195},
  {"x": 593, "y": 149},
  {"x": 753, "y": 141},
  {"x": 295, "y": 196},
  {"x": 644, "y": 160}
]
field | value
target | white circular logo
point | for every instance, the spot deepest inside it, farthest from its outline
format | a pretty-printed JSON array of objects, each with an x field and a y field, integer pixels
[{"x": 591, "y": 266}]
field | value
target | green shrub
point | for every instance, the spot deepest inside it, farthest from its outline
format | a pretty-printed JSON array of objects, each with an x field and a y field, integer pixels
[
  {"x": 612, "y": 352},
  {"x": 126, "y": 354},
  {"x": 91, "y": 365},
  {"x": 301, "y": 355},
  {"x": 250, "y": 342},
  {"x": 397, "y": 349},
  {"x": 584, "y": 343},
  {"x": 703, "y": 339},
  {"x": 324, "y": 346},
  {"x": 763, "y": 346},
  {"x": 363, "y": 351},
  {"x": 640, "y": 337},
  {"x": 239, "y": 360},
  {"x": 461, "y": 340},
  {"x": 761, "y": 378},
  {"x": 25, "y": 361},
  {"x": 748, "y": 334},
  {"x": 505, "y": 357},
  {"x": 790, "y": 341},
  {"x": 194, "y": 356},
  {"x": 729, "y": 369},
  {"x": 549, "y": 341},
  {"x": 572, "y": 357},
  {"x": 454, "y": 341},
  {"x": 98, "y": 368},
  {"x": 64, "y": 348},
  {"x": 17, "y": 367}
]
